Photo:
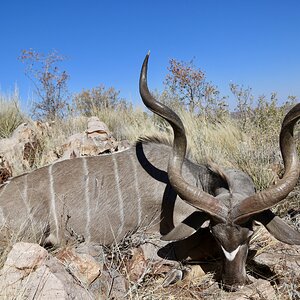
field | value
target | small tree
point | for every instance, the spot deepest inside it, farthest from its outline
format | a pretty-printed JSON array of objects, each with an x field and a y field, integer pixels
[
  {"x": 268, "y": 114},
  {"x": 50, "y": 83},
  {"x": 190, "y": 86},
  {"x": 244, "y": 107},
  {"x": 264, "y": 114},
  {"x": 89, "y": 102}
]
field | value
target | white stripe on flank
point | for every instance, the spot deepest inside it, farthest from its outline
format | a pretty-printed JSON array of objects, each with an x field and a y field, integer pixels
[
  {"x": 87, "y": 199},
  {"x": 3, "y": 187},
  {"x": 2, "y": 218},
  {"x": 231, "y": 255},
  {"x": 120, "y": 198},
  {"x": 137, "y": 189},
  {"x": 52, "y": 199},
  {"x": 24, "y": 196}
]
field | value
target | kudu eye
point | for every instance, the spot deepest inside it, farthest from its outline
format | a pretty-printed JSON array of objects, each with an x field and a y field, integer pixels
[{"x": 245, "y": 235}]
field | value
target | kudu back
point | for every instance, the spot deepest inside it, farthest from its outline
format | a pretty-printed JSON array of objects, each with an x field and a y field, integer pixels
[{"x": 152, "y": 184}]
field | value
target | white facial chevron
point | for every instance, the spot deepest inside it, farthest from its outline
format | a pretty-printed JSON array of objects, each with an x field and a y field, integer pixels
[{"x": 231, "y": 255}]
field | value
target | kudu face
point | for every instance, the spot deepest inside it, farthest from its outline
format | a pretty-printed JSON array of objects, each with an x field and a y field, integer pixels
[
  {"x": 234, "y": 242},
  {"x": 232, "y": 211}
]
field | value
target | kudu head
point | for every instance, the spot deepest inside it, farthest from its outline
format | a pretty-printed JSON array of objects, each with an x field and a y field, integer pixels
[{"x": 231, "y": 212}]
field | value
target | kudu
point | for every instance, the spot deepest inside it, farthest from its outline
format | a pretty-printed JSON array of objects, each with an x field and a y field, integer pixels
[{"x": 100, "y": 199}]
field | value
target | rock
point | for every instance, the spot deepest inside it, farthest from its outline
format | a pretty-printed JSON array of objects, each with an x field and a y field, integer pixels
[
  {"x": 82, "y": 265},
  {"x": 274, "y": 260},
  {"x": 96, "y": 140},
  {"x": 5, "y": 174},
  {"x": 281, "y": 260},
  {"x": 29, "y": 152},
  {"x": 43, "y": 128},
  {"x": 5, "y": 170},
  {"x": 194, "y": 274},
  {"x": 96, "y": 128},
  {"x": 25, "y": 132},
  {"x": 260, "y": 289},
  {"x": 93, "y": 249},
  {"x": 137, "y": 265},
  {"x": 124, "y": 144},
  {"x": 26, "y": 256},
  {"x": 150, "y": 251},
  {"x": 31, "y": 273},
  {"x": 112, "y": 285},
  {"x": 20, "y": 149}
]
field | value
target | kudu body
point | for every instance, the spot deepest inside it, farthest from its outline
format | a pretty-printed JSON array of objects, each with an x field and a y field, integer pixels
[{"x": 100, "y": 199}]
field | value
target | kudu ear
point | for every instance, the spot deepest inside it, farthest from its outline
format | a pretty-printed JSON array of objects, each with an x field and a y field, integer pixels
[
  {"x": 187, "y": 227},
  {"x": 278, "y": 228}
]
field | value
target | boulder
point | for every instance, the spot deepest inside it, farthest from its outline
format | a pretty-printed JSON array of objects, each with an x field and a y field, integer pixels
[
  {"x": 30, "y": 272},
  {"x": 20, "y": 149},
  {"x": 97, "y": 139}
]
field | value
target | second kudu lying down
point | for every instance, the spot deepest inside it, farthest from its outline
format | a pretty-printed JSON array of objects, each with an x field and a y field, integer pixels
[{"x": 100, "y": 199}]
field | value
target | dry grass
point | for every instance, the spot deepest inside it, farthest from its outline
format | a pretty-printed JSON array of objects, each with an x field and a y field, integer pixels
[
  {"x": 229, "y": 146},
  {"x": 10, "y": 114}
]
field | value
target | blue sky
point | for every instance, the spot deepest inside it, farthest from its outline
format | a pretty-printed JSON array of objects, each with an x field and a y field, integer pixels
[{"x": 253, "y": 43}]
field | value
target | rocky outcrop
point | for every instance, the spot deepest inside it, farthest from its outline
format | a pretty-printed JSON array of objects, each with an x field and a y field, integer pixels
[
  {"x": 96, "y": 140},
  {"x": 18, "y": 153}
]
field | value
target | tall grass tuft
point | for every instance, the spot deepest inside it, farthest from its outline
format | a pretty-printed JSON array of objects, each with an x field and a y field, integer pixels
[{"x": 10, "y": 114}]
